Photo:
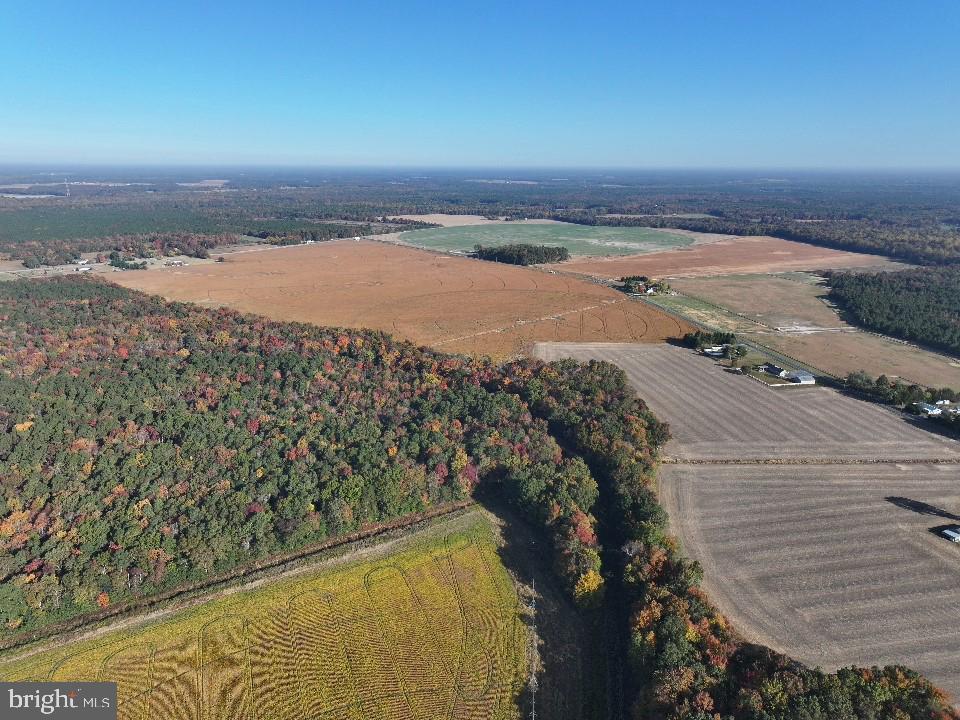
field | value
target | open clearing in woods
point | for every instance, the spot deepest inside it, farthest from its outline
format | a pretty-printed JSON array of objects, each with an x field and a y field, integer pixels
[
  {"x": 431, "y": 631},
  {"x": 812, "y": 513},
  {"x": 450, "y": 303}
]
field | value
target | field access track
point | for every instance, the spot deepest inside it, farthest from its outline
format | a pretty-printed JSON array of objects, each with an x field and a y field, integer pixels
[{"x": 814, "y": 515}]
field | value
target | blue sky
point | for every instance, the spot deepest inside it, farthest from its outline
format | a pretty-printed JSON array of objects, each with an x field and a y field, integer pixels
[{"x": 672, "y": 83}]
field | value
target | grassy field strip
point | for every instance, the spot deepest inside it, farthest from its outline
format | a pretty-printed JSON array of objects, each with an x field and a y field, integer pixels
[
  {"x": 791, "y": 314},
  {"x": 810, "y": 461},
  {"x": 585, "y": 240},
  {"x": 774, "y": 355},
  {"x": 430, "y": 631}
]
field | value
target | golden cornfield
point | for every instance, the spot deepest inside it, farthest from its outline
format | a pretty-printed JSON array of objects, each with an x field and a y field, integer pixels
[{"x": 431, "y": 631}]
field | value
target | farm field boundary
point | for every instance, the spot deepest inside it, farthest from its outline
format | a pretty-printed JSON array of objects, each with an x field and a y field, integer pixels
[
  {"x": 814, "y": 514},
  {"x": 276, "y": 564},
  {"x": 717, "y": 415},
  {"x": 431, "y": 629}
]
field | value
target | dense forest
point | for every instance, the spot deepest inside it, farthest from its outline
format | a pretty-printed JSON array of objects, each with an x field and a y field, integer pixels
[
  {"x": 522, "y": 253},
  {"x": 916, "y": 217},
  {"x": 919, "y": 305},
  {"x": 144, "y": 444}
]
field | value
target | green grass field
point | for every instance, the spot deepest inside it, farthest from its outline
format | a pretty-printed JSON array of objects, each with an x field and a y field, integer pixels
[
  {"x": 578, "y": 239},
  {"x": 432, "y": 630}
]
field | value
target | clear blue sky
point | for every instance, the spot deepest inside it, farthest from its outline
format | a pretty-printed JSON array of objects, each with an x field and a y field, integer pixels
[{"x": 668, "y": 83}]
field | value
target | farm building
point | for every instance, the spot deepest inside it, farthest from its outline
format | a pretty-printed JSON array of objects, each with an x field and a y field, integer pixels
[
  {"x": 800, "y": 377},
  {"x": 928, "y": 409},
  {"x": 951, "y": 533},
  {"x": 772, "y": 369}
]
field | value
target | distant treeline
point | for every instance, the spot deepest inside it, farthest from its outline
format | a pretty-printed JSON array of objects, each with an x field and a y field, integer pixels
[
  {"x": 920, "y": 305},
  {"x": 928, "y": 243},
  {"x": 522, "y": 254},
  {"x": 319, "y": 233},
  {"x": 917, "y": 220},
  {"x": 35, "y": 253}
]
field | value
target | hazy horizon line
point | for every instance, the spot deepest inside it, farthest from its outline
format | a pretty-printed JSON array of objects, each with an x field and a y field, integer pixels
[{"x": 401, "y": 167}]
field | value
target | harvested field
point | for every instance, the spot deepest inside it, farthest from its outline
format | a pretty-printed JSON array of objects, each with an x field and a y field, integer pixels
[
  {"x": 834, "y": 565},
  {"x": 718, "y": 415},
  {"x": 810, "y": 512},
  {"x": 450, "y": 303},
  {"x": 731, "y": 255},
  {"x": 431, "y": 631},
  {"x": 787, "y": 312}
]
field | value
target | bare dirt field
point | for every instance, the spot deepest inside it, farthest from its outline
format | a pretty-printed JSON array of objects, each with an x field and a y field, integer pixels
[
  {"x": 787, "y": 312},
  {"x": 450, "y": 303},
  {"x": 812, "y": 513},
  {"x": 817, "y": 562},
  {"x": 718, "y": 415},
  {"x": 725, "y": 256}
]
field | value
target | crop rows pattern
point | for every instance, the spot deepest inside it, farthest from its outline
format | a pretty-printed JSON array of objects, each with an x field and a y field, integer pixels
[{"x": 433, "y": 633}]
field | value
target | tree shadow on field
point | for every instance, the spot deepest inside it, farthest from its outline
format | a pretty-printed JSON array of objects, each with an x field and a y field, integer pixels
[
  {"x": 931, "y": 426},
  {"x": 570, "y": 660},
  {"x": 918, "y": 506}
]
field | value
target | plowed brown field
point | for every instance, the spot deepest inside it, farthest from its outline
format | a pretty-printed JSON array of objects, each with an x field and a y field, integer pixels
[
  {"x": 732, "y": 255},
  {"x": 813, "y": 514},
  {"x": 451, "y": 303}
]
